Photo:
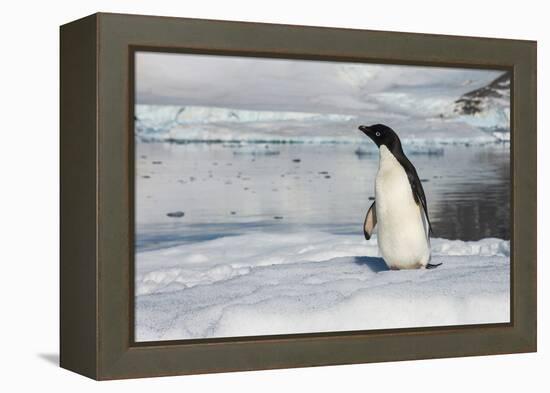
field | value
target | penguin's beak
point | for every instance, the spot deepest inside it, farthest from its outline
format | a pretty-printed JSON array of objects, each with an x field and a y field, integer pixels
[{"x": 366, "y": 130}]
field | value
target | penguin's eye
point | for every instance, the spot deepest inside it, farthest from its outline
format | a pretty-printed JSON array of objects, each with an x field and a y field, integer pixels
[{"x": 377, "y": 133}]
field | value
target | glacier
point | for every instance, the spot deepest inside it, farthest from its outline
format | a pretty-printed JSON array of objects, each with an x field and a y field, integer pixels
[
  {"x": 153, "y": 119},
  {"x": 188, "y": 124}
]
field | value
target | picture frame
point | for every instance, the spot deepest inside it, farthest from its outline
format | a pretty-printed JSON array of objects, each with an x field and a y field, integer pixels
[{"x": 97, "y": 184}]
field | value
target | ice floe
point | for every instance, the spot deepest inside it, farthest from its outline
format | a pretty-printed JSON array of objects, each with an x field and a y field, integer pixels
[{"x": 274, "y": 283}]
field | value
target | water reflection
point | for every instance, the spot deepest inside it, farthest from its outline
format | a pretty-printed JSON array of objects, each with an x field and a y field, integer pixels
[
  {"x": 473, "y": 202},
  {"x": 230, "y": 189}
]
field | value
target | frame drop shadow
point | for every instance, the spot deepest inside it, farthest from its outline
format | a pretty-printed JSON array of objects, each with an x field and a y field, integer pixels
[{"x": 52, "y": 358}]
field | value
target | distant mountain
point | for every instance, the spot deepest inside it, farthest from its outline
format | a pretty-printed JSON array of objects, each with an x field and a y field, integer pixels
[
  {"x": 488, "y": 106},
  {"x": 478, "y": 100}
]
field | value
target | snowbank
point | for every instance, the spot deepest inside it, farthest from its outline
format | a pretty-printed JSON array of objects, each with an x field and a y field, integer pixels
[{"x": 272, "y": 283}]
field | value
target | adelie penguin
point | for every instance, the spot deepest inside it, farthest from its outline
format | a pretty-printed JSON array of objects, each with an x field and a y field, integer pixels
[{"x": 399, "y": 209}]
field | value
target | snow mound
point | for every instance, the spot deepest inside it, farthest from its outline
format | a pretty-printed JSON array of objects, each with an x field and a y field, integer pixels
[{"x": 271, "y": 283}]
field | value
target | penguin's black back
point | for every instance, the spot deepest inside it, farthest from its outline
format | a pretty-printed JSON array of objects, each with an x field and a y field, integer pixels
[{"x": 414, "y": 180}]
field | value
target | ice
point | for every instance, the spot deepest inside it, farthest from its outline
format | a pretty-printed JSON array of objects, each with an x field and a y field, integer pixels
[
  {"x": 495, "y": 117},
  {"x": 279, "y": 283},
  {"x": 181, "y": 124},
  {"x": 151, "y": 119},
  {"x": 502, "y": 136},
  {"x": 487, "y": 107}
]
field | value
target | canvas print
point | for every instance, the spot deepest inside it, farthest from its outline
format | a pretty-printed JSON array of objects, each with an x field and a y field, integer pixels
[{"x": 285, "y": 196}]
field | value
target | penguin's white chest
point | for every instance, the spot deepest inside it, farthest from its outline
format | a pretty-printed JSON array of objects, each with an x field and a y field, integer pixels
[{"x": 402, "y": 237}]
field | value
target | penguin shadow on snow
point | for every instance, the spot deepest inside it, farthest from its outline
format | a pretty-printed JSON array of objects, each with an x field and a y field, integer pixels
[{"x": 375, "y": 264}]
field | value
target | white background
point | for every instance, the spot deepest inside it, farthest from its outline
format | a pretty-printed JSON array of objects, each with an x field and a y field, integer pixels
[{"x": 29, "y": 194}]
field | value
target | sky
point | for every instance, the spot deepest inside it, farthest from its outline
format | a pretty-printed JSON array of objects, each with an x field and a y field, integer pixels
[{"x": 301, "y": 85}]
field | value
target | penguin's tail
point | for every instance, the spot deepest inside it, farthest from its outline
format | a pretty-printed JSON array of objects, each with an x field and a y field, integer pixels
[{"x": 433, "y": 265}]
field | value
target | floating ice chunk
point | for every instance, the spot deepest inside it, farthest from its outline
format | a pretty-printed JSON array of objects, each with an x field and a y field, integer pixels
[
  {"x": 176, "y": 214},
  {"x": 416, "y": 150},
  {"x": 256, "y": 150},
  {"x": 502, "y": 136}
]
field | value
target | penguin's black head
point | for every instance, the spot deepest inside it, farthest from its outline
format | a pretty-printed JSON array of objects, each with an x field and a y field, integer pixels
[{"x": 381, "y": 135}]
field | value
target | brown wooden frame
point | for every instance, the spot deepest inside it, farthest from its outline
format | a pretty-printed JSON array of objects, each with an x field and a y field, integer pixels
[{"x": 97, "y": 196}]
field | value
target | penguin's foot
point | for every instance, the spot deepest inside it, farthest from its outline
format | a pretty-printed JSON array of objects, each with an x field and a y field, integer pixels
[
  {"x": 433, "y": 265},
  {"x": 394, "y": 268}
]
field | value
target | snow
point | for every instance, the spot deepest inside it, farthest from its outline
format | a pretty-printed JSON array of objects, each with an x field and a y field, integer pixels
[
  {"x": 487, "y": 107},
  {"x": 495, "y": 115},
  {"x": 262, "y": 283}
]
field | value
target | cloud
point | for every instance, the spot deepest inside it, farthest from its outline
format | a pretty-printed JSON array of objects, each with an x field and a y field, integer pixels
[{"x": 297, "y": 85}]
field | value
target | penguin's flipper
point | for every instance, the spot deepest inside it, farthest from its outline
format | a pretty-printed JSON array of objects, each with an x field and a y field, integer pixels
[
  {"x": 370, "y": 221},
  {"x": 433, "y": 265}
]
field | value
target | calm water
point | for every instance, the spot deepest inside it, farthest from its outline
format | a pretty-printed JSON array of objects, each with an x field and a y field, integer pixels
[{"x": 230, "y": 189}]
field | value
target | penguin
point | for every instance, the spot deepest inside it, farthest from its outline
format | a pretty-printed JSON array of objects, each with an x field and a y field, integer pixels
[{"x": 400, "y": 209}]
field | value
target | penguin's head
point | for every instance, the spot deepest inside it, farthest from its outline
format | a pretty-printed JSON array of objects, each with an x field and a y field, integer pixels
[{"x": 381, "y": 135}]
